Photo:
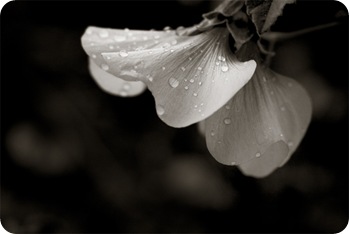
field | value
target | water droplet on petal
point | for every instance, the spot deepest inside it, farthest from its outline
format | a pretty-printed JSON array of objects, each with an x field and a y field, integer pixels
[
  {"x": 160, "y": 110},
  {"x": 191, "y": 80},
  {"x": 123, "y": 93},
  {"x": 123, "y": 54},
  {"x": 233, "y": 163},
  {"x": 173, "y": 82},
  {"x": 183, "y": 68},
  {"x": 195, "y": 94},
  {"x": 163, "y": 68},
  {"x": 103, "y": 33},
  {"x": 258, "y": 155},
  {"x": 200, "y": 83},
  {"x": 227, "y": 121},
  {"x": 199, "y": 68},
  {"x": 186, "y": 87},
  {"x": 217, "y": 63},
  {"x": 224, "y": 68},
  {"x": 150, "y": 78},
  {"x": 126, "y": 86},
  {"x": 105, "y": 67},
  {"x": 119, "y": 38}
]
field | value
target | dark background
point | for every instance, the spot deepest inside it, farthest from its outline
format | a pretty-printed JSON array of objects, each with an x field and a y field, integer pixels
[{"x": 75, "y": 159}]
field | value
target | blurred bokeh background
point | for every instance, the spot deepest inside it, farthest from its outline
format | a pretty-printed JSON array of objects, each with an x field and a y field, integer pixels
[{"x": 76, "y": 159}]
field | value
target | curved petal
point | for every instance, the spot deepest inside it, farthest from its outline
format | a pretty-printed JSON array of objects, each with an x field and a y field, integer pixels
[
  {"x": 261, "y": 126},
  {"x": 96, "y": 41},
  {"x": 189, "y": 79},
  {"x": 114, "y": 85}
]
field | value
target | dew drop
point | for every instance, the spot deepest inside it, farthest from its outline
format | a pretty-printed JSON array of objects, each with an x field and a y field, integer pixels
[
  {"x": 123, "y": 54},
  {"x": 171, "y": 51},
  {"x": 200, "y": 83},
  {"x": 186, "y": 87},
  {"x": 105, "y": 67},
  {"x": 217, "y": 63},
  {"x": 150, "y": 78},
  {"x": 119, "y": 38},
  {"x": 196, "y": 106},
  {"x": 258, "y": 155},
  {"x": 103, "y": 33},
  {"x": 126, "y": 86},
  {"x": 219, "y": 58},
  {"x": 191, "y": 80},
  {"x": 123, "y": 93},
  {"x": 227, "y": 121},
  {"x": 160, "y": 110},
  {"x": 173, "y": 82},
  {"x": 224, "y": 68},
  {"x": 195, "y": 94}
]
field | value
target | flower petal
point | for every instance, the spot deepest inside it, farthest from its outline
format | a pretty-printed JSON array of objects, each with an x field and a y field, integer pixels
[
  {"x": 191, "y": 77},
  {"x": 96, "y": 41},
  {"x": 261, "y": 126},
  {"x": 114, "y": 85}
]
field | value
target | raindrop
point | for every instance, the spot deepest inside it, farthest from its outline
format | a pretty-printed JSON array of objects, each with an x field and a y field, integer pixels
[
  {"x": 196, "y": 106},
  {"x": 200, "y": 83},
  {"x": 173, "y": 82},
  {"x": 105, "y": 67},
  {"x": 166, "y": 45},
  {"x": 199, "y": 68},
  {"x": 199, "y": 110},
  {"x": 123, "y": 93},
  {"x": 201, "y": 104},
  {"x": 150, "y": 78},
  {"x": 123, "y": 54},
  {"x": 217, "y": 63},
  {"x": 186, "y": 87},
  {"x": 126, "y": 86},
  {"x": 223, "y": 59},
  {"x": 171, "y": 51},
  {"x": 160, "y": 110},
  {"x": 103, "y": 33},
  {"x": 224, "y": 68},
  {"x": 219, "y": 58},
  {"x": 258, "y": 155},
  {"x": 227, "y": 121},
  {"x": 119, "y": 38},
  {"x": 195, "y": 94},
  {"x": 191, "y": 80}
]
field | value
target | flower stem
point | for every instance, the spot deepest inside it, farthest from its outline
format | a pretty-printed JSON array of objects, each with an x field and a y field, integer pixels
[{"x": 274, "y": 37}]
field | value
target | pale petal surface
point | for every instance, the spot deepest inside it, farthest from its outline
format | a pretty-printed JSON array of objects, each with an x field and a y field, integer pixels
[
  {"x": 190, "y": 77},
  {"x": 261, "y": 126},
  {"x": 115, "y": 85}
]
